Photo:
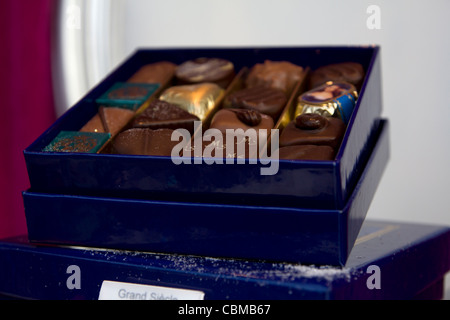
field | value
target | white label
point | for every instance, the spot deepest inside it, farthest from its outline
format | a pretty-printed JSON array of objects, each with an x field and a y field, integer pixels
[{"x": 113, "y": 290}]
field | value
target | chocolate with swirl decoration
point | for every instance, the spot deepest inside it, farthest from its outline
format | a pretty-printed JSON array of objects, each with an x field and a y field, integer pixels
[{"x": 214, "y": 70}]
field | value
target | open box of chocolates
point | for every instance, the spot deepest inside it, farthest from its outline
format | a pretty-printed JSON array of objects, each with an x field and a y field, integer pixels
[{"x": 207, "y": 135}]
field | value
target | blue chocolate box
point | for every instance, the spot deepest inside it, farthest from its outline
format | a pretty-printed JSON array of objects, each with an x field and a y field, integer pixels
[{"x": 310, "y": 211}]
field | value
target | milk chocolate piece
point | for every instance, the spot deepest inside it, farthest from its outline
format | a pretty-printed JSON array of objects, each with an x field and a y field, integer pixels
[
  {"x": 350, "y": 72},
  {"x": 215, "y": 146},
  {"x": 330, "y": 99},
  {"x": 241, "y": 119},
  {"x": 94, "y": 125},
  {"x": 214, "y": 70},
  {"x": 159, "y": 72},
  {"x": 139, "y": 141},
  {"x": 306, "y": 152},
  {"x": 281, "y": 75},
  {"x": 317, "y": 131},
  {"x": 266, "y": 100},
  {"x": 74, "y": 141},
  {"x": 198, "y": 99},
  {"x": 161, "y": 114},
  {"x": 115, "y": 119}
]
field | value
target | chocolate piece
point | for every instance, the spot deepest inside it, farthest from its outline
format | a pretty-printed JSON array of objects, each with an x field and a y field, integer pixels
[
  {"x": 306, "y": 152},
  {"x": 215, "y": 146},
  {"x": 139, "y": 141},
  {"x": 158, "y": 72},
  {"x": 282, "y": 75},
  {"x": 215, "y": 70},
  {"x": 241, "y": 119},
  {"x": 310, "y": 121},
  {"x": 74, "y": 141},
  {"x": 161, "y": 114},
  {"x": 115, "y": 119},
  {"x": 350, "y": 72},
  {"x": 330, "y": 99},
  {"x": 330, "y": 135},
  {"x": 266, "y": 100},
  {"x": 198, "y": 99},
  {"x": 94, "y": 125},
  {"x": 128, "y": 95}
]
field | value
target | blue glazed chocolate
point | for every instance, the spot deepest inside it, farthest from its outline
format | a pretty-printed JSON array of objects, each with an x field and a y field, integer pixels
[
  {"x": 73, "y": 141},
  {"x": 128, "y": 95}
]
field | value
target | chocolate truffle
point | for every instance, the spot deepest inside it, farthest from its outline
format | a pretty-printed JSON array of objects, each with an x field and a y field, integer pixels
[
  {"x": 266, "y": 100},
  {"x": 281, "y": 75},
  {"x": 241, "y": 119},
  {"x": 73, "y": 141},
  {"x": 313, "y": 129},
  {"x": 306, "y": 152},
  {"x": 350, "y": 72},
  {"x": 138, "y": 141},
  {"x": 198, "y": 99},
  {"x": 161, "y": 114},
  {"x": 159, "y": 72},
  {"x": 214, "y": 70}
]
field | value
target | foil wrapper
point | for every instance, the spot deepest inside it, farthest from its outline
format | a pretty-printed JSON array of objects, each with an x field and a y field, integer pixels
[
  {"x": 332, "y": 99},
  {"x": 197, "y": 99}
]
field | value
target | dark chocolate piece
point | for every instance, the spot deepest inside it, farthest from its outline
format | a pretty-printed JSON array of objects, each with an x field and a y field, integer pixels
[
  {"x": 281, "y": 75},
  {"x": 241, "y": 119},
  {"x": 161, "y": 114},
  {"x": 139, "y": 141},
  {"x": 306, "y": 152},
  {"x": 215, "y": 70},
  {"x": 266, "y": 100},
  {"x": 159, "y": 72},
  {"x": 350, "y": 72},
  {"x": 331, "y": 134}
]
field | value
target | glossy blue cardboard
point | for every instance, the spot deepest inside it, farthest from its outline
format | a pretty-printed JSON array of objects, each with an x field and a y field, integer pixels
[
  {"x": 157, "y": 178},
  {"x": 412, "y": 261},
  {"x": 290, "y": 234}
]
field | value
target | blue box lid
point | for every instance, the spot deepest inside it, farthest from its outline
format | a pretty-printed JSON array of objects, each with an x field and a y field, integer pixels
[{"x": 389, "y": 261}]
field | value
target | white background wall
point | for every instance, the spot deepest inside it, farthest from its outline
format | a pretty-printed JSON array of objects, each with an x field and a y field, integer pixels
[{"x": 415, "y": 42}]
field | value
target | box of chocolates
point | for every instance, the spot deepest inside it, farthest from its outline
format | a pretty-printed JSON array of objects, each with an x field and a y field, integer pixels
[
  {"x": 191, "y": 92},
  {"x": 249, "y": 130}
]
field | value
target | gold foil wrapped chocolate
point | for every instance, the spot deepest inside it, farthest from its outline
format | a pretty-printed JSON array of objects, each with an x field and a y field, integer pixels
[
  {"x": 332, "y": 99},
  {"x": 197, "y": 99}
]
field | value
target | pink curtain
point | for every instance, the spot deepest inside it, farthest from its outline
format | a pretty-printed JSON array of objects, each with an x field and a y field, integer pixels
[{"x": 26, "y": 99}]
